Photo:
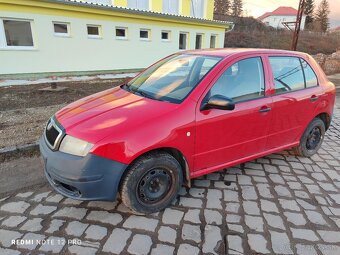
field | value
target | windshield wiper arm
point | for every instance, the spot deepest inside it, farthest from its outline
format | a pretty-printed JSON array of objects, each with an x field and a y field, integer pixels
[
  {"x": 126, "y": 87},
  {"x": 142, "y": 93}
]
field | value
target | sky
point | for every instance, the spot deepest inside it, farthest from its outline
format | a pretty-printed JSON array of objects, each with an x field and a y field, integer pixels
[{"x": 256, "y": 8}]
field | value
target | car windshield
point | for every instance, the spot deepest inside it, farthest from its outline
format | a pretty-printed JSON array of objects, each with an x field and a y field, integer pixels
[{"x": 173, "y": 78}]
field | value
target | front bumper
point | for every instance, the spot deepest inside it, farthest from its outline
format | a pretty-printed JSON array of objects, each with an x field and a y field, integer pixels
[{"x": 83, "y": 178}]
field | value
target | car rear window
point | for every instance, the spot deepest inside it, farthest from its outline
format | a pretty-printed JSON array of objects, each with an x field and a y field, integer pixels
[
  {"x": 311, "y": 79},
  {"x": 288, "y": 74}
]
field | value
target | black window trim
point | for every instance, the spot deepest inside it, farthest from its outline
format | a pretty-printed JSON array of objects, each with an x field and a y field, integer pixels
[
  {"x": 317, "y": 78},
  {"x": 303, "y": 71}
]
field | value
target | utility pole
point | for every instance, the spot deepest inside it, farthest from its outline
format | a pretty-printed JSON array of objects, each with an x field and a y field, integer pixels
[{"x": 298, "y": 24}]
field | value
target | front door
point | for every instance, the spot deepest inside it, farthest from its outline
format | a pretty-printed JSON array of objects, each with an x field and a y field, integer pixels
[{"x": 223, "y": 136}]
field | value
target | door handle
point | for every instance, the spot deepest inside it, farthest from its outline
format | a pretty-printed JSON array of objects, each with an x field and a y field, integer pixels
[
  {"x": 314, "y": 98},
  {"x": 265, "y": 109}
]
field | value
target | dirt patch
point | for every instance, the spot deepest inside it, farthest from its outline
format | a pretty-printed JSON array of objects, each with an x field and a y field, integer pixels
[
  {"x": 24, "y": 110},
  {"x": 19, "y": 97}
]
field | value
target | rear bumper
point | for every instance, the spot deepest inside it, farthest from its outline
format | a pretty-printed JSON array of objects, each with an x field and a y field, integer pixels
[{"x": 82, "y": 178}]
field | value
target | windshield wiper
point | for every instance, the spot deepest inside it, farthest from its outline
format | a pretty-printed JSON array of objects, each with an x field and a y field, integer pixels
[
  {"x": 136, "y": 91},
  {"x": 126, "y": 87},
  {"x": 142, "y": 93}
]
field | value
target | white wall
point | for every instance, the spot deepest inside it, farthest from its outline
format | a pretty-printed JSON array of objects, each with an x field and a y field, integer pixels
[
  {"x": 80, "y": 53},
  {"x": 276, "y": 21}
]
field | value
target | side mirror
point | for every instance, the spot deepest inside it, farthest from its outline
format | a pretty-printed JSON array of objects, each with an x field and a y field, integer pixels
[{"x": 219, "y": 102}]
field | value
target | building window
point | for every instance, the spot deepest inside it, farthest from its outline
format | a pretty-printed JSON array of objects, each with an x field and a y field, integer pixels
[
  {"x": 144, "y": 34},
  {"x": 183, "y": 41},
  {"x": 16, "y": 33},
  {"x": 171, "y": 6},
  {"x": 94, "y": 31},
  {"x": 166, "y": 36},
  {"x": 61, "y": 29},
  {"x": 106, "y": 2},
  {"x": 121, "y": 32},
  {"x": 138, "y": 4},
  {"x": 199, "y": 40},
  {"x": 213, "y": 41},
  {"x": 197, "y": 8}
]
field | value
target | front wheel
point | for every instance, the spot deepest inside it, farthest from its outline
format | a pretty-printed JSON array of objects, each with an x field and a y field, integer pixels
[
  {"x": 151, "y": 183},
  {"x": 311, "y": 139}
]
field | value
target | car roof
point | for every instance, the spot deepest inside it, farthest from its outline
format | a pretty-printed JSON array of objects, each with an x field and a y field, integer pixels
[{"x": 225, "y": 52}]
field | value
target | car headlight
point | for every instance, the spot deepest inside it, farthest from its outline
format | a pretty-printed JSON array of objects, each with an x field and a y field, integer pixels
[{"x": 75, "y": 146}]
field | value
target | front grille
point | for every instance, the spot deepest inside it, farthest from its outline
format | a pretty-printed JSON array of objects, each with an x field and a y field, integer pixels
[{"x": 53, "y": 134}]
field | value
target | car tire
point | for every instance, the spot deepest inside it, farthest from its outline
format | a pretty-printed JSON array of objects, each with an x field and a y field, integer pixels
[
  {"x": 311, "y": 139},
  {"x": 151, "y": 183}
]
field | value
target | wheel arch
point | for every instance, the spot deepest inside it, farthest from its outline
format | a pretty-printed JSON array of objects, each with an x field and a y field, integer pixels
[
  {"x": 178, "y": 155},
  {"x": 326, "y": 118}
]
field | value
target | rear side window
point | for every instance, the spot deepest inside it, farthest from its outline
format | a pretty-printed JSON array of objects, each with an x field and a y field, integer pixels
[
  {"x": 288, "y": 74},
  {"x": 311, "y": 80},
  {"x": 242, "y": 81}
]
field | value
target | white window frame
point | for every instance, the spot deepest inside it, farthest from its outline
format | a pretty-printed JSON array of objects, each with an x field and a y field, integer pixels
[
  {"x": 138, "y": 5},
  {"x": 104, "y": 2},
  {"x": 99, "y": 36},
  {"x": 122, "y": 37},
  {"x": 187, "y": 45},
  {"x": 170, "y": 5},
  {"x": 216, "y": 38},
  {"x": 202, "y": 40},
  {"x": 3, "y": 40},
  {"x": 169, "y": 36},
  {"x": 194, "y": 9},
  {"x": 68, "y": 34},
  {"x": 149, "y": 34}
]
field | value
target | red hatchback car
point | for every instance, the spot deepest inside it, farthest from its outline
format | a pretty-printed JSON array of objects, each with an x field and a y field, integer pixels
[{"x": 188, "y": 115}]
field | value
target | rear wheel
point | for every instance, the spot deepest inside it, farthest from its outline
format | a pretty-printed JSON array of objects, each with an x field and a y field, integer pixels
[
  {"x": 311, "y": 139},
  {"x": 151, "y": 183}
]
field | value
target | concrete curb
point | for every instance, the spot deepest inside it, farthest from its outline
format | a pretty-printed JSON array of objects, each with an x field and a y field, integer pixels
[{"x": 18, "y": 151}]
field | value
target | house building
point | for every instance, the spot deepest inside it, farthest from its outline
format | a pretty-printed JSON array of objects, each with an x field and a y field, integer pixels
[
  {"x": 44, "y": 36},
  {"x": 281, "y": 16}
]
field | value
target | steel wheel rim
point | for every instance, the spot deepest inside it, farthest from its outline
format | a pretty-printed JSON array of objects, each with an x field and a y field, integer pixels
[
  {"x": 154, "y": 186},
  {"x": 313, "y": 139}
]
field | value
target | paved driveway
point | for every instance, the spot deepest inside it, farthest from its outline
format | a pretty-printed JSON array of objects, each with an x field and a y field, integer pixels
[{"x": 277, "y": 204}]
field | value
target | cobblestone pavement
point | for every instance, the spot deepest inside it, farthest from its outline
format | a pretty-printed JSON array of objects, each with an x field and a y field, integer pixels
[{"x": 279, "y": 204}]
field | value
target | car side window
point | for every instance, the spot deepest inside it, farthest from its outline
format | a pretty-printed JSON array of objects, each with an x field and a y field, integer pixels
[
  {"x": 288, "y": 74},
  {"x": 242, "y": 81},
  {"x": 310, "y": 76}
]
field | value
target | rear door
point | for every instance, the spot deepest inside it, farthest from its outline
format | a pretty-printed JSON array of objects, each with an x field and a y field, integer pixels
[
  {"x": 223, "y": 136},
  {"x": 295, "y": 96}
]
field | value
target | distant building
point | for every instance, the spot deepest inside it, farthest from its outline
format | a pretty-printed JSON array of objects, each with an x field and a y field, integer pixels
[
  {"x": 280, "y": 16},
  {"x": 335, "y": 30},
  {"x": 47, "y": 36}
]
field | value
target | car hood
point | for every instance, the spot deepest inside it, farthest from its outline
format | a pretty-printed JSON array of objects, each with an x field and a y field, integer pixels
[{"x": 115, "y": 110}]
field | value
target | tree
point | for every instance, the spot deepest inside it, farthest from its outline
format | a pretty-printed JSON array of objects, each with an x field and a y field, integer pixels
[
  {"x": 222, "y": 7},
  {"x": 309, "y": 11},
  {"x": 321, "y": 17},
  {"x": 237, "y": 8}
]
